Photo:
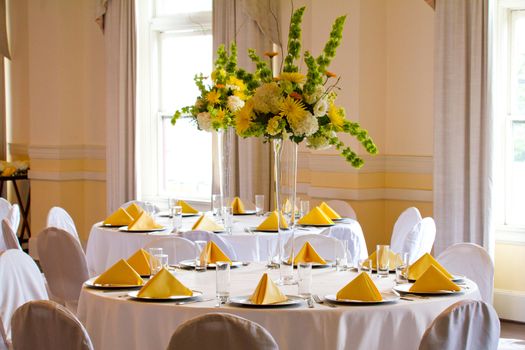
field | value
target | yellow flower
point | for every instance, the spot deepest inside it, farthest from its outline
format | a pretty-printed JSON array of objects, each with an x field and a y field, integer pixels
[
  {"x": 243, "y": 118},
  {"x": 274, "y": 125},
  {"x": 336, "y": 115},
  {"x": 219, "y": 116},
  {"x": 293, "y": 110},
  {"x": 294, "y": 77},
  {"x": 330, "y": 74},
  {"x": 213, "y": 97},
  {"x": 217, "y": 74},
  {"x": 236, "y": 82},
  {"x": 9, "y": 171},
  {"x": 240, "y": 94}
]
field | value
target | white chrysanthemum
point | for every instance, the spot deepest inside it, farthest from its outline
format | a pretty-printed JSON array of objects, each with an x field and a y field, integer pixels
[
  {"x": 204, "y": 121},
  {"x": 306, "y": 126},
  {"x": 316, "y": 95},
  {"x": 321, "y": 107},
  {"x": 267, "y": 98},
  {"x": 235, "y": 103}
]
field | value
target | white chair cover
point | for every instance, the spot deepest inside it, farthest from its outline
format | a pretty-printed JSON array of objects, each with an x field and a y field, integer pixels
[
  {"x": 356, "y": 243},
  {"x": 428, "y": 236},
  {"x": 473, "y": 261},
  {"x": 414, "y": 242},
  {"x": 222, "y": 331},
  {"x": 14, "y": 217},
  {"x": 59, "y": 218},
  {"x": 5, "y": 206},
  {"x": 64, "y": 265},
  {"x": 20, "y": 282},
  {"x": 327, "y": 247},
  {"x": 342, "y": 208},
  {"x": 466, "y": 325},
  {"x": 143, "y": 204},
  {"x": 402, "y": 227},
  {"x": 46, "y": 325},
  {"x": 177, "y": 248},
  {"x": 225, "y": 246},
  {"x": 10, "y": 238}
]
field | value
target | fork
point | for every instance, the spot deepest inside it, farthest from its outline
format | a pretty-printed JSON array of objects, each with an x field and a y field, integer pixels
[{"x": 320, "y": 301}]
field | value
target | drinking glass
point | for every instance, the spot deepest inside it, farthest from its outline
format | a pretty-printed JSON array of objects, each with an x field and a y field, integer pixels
[
  {"x": 176, "y": 214},
  {"x": 270, "y": 251},
  {"x": 222, "y": 281},
  {"x": 200, "y": 262},
  {"x": 365, "y": 265},
  {"x": 216, "y": 204},
  {"x": 286, "y": 264},
  {"x": 162, "y": 261},
  {"x": 305, "y": 207},
  {"x": 341, "y": 256},
  {"x": 402, "y": 268},
  {"x": 227, "y": 217},
  {"x": 154, "y": 263},
  {"x": 259, "y": 204},
  {"x": 149, "y": 208},
  {"x": 304, "y": 275},
  {"x": 383, "y": 260},
  {"x": 172, "y": 202}
]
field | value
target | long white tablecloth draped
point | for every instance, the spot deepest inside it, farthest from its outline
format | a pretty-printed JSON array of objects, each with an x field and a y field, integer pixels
[{"x": 117, "y": 322}]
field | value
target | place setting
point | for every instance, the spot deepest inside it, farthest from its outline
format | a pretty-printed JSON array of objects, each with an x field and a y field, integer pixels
[{"x": 207, "y": 256}]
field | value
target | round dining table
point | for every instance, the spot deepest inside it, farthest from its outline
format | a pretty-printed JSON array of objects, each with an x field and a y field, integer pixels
[
  {"x": 108, "y": 245},
  {"x": 115, "y": 320}
]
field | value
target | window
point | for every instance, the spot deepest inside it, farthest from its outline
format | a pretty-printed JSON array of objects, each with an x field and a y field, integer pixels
[
  {"x": 174, "y": 44},
  {"x": 509, "y": 102}
]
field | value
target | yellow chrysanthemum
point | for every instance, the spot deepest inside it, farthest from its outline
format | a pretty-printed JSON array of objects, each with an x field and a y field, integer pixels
[
  {"x": 236, "y": 82},
  {"x": 294, "y": 77},
  {"x": 213, "y": 97},
  {"x": 240, "y": 94},
  {"x": 336, "y": 115},
  {"x": 274, "y": 125},
  {"x": 219, "y": 116},
  {"x": 243, "y": 118},
  {"x": 293, "y": 110}
]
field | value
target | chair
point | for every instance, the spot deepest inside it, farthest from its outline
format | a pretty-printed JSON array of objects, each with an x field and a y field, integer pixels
[
  {"x": 59, "y": 218},
  {"x": 466, "y": 325},
  {"x": 20, "y": 282},
  {"x": 327, "y": 247},
  {"x": 428, "y": 236},
  {"x": 418, "y": 240},
  {"x": 46, "y": 325},
  {"x": 223, "y": 331},
  {"x": 356, "y": 243},
  {"x": 64, "y": 264},
  {"x": 342, "y": 208},
  {"x": 473, "y": 261},
  {"x": 402, "y": 227},
  {"x": 177, "y": 248},
  {"x": 144, "y": 205},
  {"x": 5, "y": 207},
  {"x": 14, "y": 217},
  {"x": 207, "y": 236},
  {"x": 10, "y": 238}
]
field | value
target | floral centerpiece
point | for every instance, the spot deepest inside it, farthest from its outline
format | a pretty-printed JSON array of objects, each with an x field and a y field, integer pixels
[{"x": 16, "y": 168}]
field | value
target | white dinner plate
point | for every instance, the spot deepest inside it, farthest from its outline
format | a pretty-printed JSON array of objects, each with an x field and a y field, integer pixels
[
  {"x": 134, "y": 295},
  {"x": 320, "y": 225},
  {"x": 190, "y": 264},
  {"x": 405, "y": 289},
  {"x": 316, "y": 265},
  {"x": 125, "y": 229},
  {"x": 292, "y": 300},
  {"x": 254, "y": 229},
  {"x": 455, "y": 278},
  {"x": 387, "y": 299},
  {"x": 111, "y": 226},
  {"x": 91, "y": 284},
  {"x": 187, "y": 215},
  {"x": 247, "y": 212}
]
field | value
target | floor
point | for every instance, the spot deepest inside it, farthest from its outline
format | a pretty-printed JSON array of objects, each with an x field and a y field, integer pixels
[{"x": 512, "y": 330}]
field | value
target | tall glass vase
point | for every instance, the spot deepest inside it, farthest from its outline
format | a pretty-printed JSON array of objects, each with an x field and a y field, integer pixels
[{"x": 224, "y": 138}]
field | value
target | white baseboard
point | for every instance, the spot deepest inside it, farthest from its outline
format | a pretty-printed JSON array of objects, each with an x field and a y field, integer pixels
[{"x": 510, "y": 305}]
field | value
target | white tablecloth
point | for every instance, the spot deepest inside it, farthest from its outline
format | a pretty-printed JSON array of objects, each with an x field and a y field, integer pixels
[
  {"x": 107, "y": 245},
  {"x": 117, "y": 322}
]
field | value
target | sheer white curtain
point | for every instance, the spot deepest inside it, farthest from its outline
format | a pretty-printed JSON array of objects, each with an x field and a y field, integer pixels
[{"x": 462, "y": 124}]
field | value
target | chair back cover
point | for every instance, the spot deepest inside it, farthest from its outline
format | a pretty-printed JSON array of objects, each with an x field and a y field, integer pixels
[
  {"x": 20, "y": 282},
  {"x": 428, "y": 236},
  {"x": 59, "y": 218},
  {"x": 342, "y": 208},
  {"x": 63, "y": 262},
  {"x": 327, "y": 247},
  {"x": 356, "y": 242},
  {"x": 223, "y": 331},
  {"x": 144, "y": 205},
  {"x": 402, "y": 227},
  {"x": 472, "y": 261},
  {"x": 177, "y": 248},
  {"x": 225, "y": 246},
  {"x": 5, "y": 206},
  {"x": 46, "y": 325},
  {"x": 466, "y": 325},
  {"x": 10, "y": 238},
  {"x": 14, "y": 217}
]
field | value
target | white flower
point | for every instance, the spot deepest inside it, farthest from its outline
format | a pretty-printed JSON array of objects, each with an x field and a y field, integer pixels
[
  {"x": 21, "y": 165},
  {"x": 204, "y": 121},
  {"x": 267, "y": 98},
  {"x": 316, "y": 95},
  {"x": 235, "y": 103},
  {"x": 307, "y": 126},
  {"x": 321, "y": 107}
]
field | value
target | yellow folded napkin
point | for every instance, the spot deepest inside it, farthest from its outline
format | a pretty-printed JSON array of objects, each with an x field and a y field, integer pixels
[
  {"x": 422, "y": 264},
  {"x": 134, "y": 210},
  {"x": 433, "y": 280},
  {"x": 139, "y": 261},
  {"x": 163, "y": 285},
  {"x": 143, "y": 222},
  {"x": 315, "y": 217},
  {"x": 332, "y": 214},
  {"x": 270, "y": 223},
  {"x": 360, "y": 288},
  {"x": 213, "y": 253},
  {"x": 186, "y": 208},
  {"x": 393, "y": 260},
  {"x": 120, "y": 274},
  {"x": 206, "y": 224},
  {"x": 308, "y": 254},
  {"x": 267, "y": 292},
  {"x": 237, "y": 206},
  {"x": 120, "y": 217}
]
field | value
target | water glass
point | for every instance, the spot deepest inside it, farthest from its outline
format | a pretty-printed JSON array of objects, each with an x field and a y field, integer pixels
[
  {"x": 176, "y": 214},
  {"x": 402, "y": 268},
  {"x": 162, "y": 261},
  {"x": 305, "y": 207},
  {"x": 365, "y": 265},
  {"x": 222, "y": 281},
  {"x": 286, "y": 265},
  {"x": 150, "y": 208},
  {"x": 259, "y": 204},
  {"x": 304, "y": 276},
  {"x": 383, "y": 260},
  {"x": 154, "y": 263},
  {"x": 271, "y": 262},
  {"x": 200, "y": 262},
  {"x": 216, "y": 204},
  {"x": 227, "y": 218},
  {"x": 341, "y": 256}
]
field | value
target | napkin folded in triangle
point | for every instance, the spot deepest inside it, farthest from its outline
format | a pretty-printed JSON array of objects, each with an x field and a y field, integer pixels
[
  {"x": 315, "y": 217},
  {"x": 119, "y": 217},
  {"x": 143, "y": 222},
  {"x": 212, "y": 253},
  {"x": 267, "y": 292},
  {"x": 422, "y": 264},
  {"x": 434, "y": 280},
  {"x": 120, "y": 274},
  {"x": 206, "y": 224},
  {"x": 163, "y": 285},
  {"x": 186, "y": 208},
  {"x": 134, "y": 210},
  {"x": 308, "y": 254},
  {"x": 139, "y": 261},
  {"x": 238, "y": 206},
  {"x": 393, "y": 260},
  {"x": 360, "y": 288},
  {"x": 270, "y": 223},
  {"x": 332, "y": 214}
]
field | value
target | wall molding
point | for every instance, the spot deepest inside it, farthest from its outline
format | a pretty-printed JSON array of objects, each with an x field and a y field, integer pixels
[
  {"x": 65, "y": 152},
  {"x": 510, "y": 305},
  {"x": 67, "y": 176},
  {"x": 18, "y": 149}
]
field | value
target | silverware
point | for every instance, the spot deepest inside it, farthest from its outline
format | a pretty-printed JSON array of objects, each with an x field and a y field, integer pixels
[
  {"x": 249, "y": 230},
  {"x": 322, "y": 302}
]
